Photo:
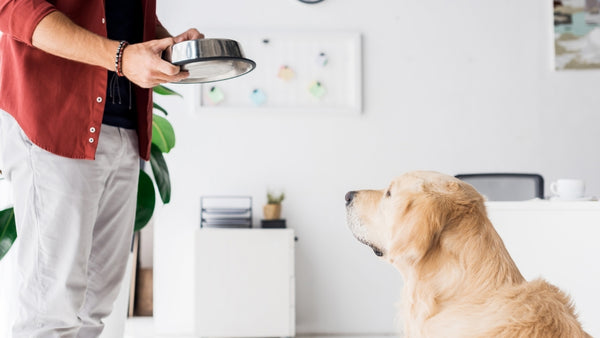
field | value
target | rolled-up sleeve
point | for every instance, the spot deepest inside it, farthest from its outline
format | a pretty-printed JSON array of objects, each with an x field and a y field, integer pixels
[{"x": 19, "y": 18}]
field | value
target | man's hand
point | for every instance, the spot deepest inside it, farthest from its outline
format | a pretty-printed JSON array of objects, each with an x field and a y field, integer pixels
[
  {"x": 190, "y": 34},
  {"x": 143, "y": 65}
]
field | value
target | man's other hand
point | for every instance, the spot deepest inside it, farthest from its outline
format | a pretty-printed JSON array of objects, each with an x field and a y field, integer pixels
[{"x": 190, "y": 34}]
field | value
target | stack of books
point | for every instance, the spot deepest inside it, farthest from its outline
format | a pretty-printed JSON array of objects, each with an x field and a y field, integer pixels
[{"x": 226, "y": 212}]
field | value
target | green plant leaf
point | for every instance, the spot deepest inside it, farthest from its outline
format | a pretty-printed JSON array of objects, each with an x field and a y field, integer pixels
[
  {"x": 8, "y": 230},
  {"x": 161, "y": 173},
  {"x": 275, "y": 199},
  {"x": 156, "y": 106},
  {"x": 146, "y": 199},
  {"x": 163, "y": 134},
  {"x": 162, "y": 90}
]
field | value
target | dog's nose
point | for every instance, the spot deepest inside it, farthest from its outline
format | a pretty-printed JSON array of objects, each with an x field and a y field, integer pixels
[{"x": 350, "y": 196}]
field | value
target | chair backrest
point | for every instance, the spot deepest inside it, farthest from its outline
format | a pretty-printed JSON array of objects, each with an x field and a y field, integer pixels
[{"x": 506, "y": 186}]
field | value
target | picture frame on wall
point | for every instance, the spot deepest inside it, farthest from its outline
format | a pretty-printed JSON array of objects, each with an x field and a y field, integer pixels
[{"x": 576, "y": 34}]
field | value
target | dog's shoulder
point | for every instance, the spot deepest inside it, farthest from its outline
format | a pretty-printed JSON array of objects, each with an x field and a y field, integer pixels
[
  {"x": 528, "y": 309},
  {"x": 539, "y": 309}
]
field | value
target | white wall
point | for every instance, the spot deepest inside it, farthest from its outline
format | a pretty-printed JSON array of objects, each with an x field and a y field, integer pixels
[{"x": 454, "y": 86}]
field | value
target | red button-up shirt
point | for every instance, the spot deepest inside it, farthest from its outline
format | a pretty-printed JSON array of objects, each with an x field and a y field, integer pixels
[{"x": 57, "y": 102}]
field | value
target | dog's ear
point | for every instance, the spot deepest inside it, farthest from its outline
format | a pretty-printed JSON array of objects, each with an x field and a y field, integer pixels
[{"x": 417, "y": 228}]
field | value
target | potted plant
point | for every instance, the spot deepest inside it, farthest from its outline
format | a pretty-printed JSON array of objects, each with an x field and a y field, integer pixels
[{"x": 272, "y": 210}]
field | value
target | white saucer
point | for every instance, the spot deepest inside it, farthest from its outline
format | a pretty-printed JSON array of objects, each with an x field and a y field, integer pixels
[{"x": 586, "y": 198}]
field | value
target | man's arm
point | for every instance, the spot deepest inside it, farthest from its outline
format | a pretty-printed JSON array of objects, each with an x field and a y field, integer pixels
[
  {"x": 19, "y": 18},
  {"x": 142, "y": 64},
  {"x": 58, "y": 35}
]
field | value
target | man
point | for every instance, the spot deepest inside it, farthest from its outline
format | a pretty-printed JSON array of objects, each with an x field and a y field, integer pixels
[{"x": 75, "y": 113}]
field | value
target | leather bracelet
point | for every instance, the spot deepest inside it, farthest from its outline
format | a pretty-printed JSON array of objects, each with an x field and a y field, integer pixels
[{"x": 119, "y": 58}]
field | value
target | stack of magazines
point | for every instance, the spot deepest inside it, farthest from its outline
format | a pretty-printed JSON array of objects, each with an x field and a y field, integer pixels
[{"x": 226, "y": 212}]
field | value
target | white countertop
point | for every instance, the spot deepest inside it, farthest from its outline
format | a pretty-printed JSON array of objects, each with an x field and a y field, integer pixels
[{"x": 539, "y": 204}]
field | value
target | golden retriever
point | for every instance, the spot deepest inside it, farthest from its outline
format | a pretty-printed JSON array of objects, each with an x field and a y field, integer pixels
[{"x": 459, "y": 280}]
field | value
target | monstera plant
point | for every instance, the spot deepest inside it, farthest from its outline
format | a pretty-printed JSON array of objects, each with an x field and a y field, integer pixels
[
  {"x": 163, "y": 140},
  {"x": 8, "y": 231}
]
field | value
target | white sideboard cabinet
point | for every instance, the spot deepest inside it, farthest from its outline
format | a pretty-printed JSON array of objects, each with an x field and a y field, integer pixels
[{"x": 244, "y": 283}]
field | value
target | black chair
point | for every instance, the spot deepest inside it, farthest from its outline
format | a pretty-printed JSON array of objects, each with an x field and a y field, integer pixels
[{"x": 506, "y": 186}]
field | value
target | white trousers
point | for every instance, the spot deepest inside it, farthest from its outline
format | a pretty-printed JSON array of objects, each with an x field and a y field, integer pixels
[{"x": 74, "y": 226}]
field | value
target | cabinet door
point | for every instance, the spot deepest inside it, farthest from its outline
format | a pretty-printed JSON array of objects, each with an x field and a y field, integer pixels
[{"x": 245, "y": 283}]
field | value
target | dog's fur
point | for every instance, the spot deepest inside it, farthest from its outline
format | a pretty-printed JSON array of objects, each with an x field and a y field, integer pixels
[{"x": 459, "y": 280}]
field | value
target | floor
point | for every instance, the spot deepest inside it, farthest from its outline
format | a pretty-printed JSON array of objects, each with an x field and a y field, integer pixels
[{"x": 143, "y": 327}]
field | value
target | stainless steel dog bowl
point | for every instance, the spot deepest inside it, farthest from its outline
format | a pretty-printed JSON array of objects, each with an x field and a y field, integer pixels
[{"x": 209, "y": 60}]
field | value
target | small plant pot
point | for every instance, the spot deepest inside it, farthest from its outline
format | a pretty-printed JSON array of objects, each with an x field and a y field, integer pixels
[{"x": 272, "y": 211}]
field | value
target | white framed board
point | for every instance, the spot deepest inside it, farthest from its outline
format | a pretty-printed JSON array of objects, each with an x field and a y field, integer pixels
[{"x": 295, "y": 72}]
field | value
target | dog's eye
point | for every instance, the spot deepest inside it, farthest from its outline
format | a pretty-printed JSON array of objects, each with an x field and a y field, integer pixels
[{"x": 388, "y": 193}]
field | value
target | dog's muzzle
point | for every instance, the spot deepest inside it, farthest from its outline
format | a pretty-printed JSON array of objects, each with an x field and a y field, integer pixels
[{"x": 354, "y": 224}]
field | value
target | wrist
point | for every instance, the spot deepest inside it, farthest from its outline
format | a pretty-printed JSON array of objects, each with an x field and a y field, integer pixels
[
  {"x": 108, "y": 54},
  {"x": 119, "y": 57}
]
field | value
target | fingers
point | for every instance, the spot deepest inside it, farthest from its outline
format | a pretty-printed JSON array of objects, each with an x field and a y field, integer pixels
[
  {"x": 162, "y": 44},
  {"x": 160, "y": 78},
  {"x": 143, "y": 65},
  {"x": 167, "y": 68},
  {"x": 190, "y": 34},
  {"x": 173, "y": 78}
]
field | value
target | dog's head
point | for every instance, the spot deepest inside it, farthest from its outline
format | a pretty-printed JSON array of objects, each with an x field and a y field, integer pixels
[{"x": 408, "y": 219}]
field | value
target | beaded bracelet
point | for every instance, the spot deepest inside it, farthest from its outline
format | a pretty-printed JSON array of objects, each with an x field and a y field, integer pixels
[{"x": 119, "y": 57}]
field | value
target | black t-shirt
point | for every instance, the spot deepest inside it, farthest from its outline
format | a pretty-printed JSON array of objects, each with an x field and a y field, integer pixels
[{"x": 124, "y": 21}]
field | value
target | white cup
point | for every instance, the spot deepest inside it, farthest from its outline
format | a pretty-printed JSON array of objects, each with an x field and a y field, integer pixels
[{"x": 568, "y": 189}]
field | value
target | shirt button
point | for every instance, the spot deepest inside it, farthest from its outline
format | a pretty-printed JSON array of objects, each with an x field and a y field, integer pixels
[
  {"x": 103, "y": 20},
  {"x": 92, "y": 130},
  {"x": 91, "y": 140},
  {"x": 99, "y": 99}
]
